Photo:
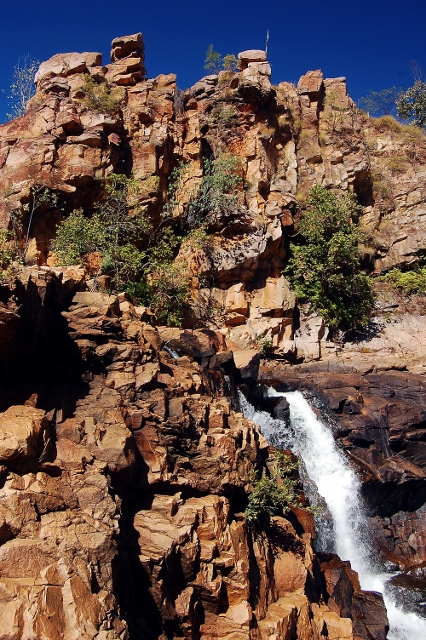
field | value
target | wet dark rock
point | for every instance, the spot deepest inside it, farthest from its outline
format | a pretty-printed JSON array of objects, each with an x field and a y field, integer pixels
[{"x": 380, "y": 422}]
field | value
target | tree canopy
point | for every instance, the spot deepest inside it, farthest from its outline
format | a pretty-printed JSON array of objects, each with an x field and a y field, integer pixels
[
  {"x": 22, "y": 87},
  {"x": 215, "y": 62},
  {"x": 381, "y": 102},
  {"x": 324, "y": 268},
  {"x": 411, "y": 105}
]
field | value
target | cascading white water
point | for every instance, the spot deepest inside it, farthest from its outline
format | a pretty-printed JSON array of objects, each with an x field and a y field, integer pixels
[
  {"x": 171, "y": 352},
  {"x": 336, "y": 482}
]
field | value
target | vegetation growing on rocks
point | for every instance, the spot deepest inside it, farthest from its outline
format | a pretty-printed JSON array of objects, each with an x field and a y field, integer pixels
[
  {"x": 409, "y": 282},
  {"x": 411, "y": 105},
  {"x": 324, "y": 268},
  {"x": 275, "y": 492},
  {"x": 381, "y": 102},
  {"x": 216, "y": 196},
  {"x": 119, "y": 240},
  {"x": 155, "y": 434},
  {"x": 215, "y": 62},
  {"x": 224, "y": 116},
  {"x": 98, "y": 97},
  {"x": 113, "y": 232}
]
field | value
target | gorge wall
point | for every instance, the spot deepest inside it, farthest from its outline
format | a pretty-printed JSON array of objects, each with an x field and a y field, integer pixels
[
  {"x": 124, "y": 471},
  {"x": 287, "y": 139},
  {"x": 124, "y": 476}
]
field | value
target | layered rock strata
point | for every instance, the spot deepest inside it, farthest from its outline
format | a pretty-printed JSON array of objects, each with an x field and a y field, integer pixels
[
  {"x": 287, "y": 138},
  {"x": 124, "y": 471},
  {"x": 123, "y": 478}
]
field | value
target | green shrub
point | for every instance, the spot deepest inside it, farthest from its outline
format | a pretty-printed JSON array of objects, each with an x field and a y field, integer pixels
[
  {"x": 165, "y": 289},
  {"x": 264, "y": 344},
  {"x": 76, "y": 237},
  {"x": 325, "y": 269},
  {"x": 114, "y": 231},
  {"x": 169, "y": 284},
  {"x": 216, "y": 195},
  {"x": 407, "y": 281},
  {"x": 225, "y": 116},
  {"x": 141, "y": 291},
  {"x": 274, "y": 493},
  {"x": 98, "y": 97},
  {"x": 119, "y": 240},
  {"x": 167, "y": 278}
]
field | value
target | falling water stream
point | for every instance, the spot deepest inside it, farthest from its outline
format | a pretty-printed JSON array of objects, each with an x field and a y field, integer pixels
[{"x": 312, "y": 441}]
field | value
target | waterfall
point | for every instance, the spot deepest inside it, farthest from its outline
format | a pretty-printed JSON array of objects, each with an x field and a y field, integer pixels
[
  {"x": 171, "y": 352},
  {"x": 311, "y": 440}
]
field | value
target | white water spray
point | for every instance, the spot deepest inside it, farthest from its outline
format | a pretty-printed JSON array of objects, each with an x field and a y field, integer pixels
[{"x": 336, "y": 482}]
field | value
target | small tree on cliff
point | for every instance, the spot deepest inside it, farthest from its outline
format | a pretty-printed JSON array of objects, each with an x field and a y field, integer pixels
[
  {"x": 275, "y": 492},
  {"x": 324, "y": 268},
  {"x": 22, "y": 87},
  {"x": 411, "y": 105},
  {"x": 381, "y": 103},
  {"x": 214, "y": 61}
]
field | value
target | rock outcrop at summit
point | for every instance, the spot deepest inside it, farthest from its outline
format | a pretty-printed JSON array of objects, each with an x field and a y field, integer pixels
[{"x": 287, "y": 139}]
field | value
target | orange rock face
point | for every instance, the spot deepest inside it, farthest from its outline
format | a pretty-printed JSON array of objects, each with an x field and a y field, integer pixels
[
  {"x": 124, "y": 474},
  {"x": 124, "y": 470},
  {"x": 286, "y": 138}
]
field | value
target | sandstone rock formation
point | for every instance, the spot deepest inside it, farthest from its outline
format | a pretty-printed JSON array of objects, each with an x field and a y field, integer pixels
[
  {"x": 123, "y": 480},
  {"x": 287, "y": 139},
  {"x": 124, "y": 463}
]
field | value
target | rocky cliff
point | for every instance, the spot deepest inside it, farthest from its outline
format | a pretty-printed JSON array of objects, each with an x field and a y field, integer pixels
[
  {"x": 125, "y": 465},
  {"x": 286, "y": 138},
  {"x": 124, "y": 474}
]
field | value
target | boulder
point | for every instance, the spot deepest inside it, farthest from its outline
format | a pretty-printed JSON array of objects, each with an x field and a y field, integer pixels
[
  {"x": 251, "y": 56},
  {"x": 247, "y": 362},
  {"x": 127, "y": 60},
  {"x": 66, "y": 64},
  {"x": 21, "y": 434},
  {"x": 369, "y": 615},
  {"x": 126, "y": 46},
  {"x": 311, "y": 84}
]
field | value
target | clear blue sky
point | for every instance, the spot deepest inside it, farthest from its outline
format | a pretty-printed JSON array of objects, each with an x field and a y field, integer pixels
[{"x": 371, "y": 42}]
